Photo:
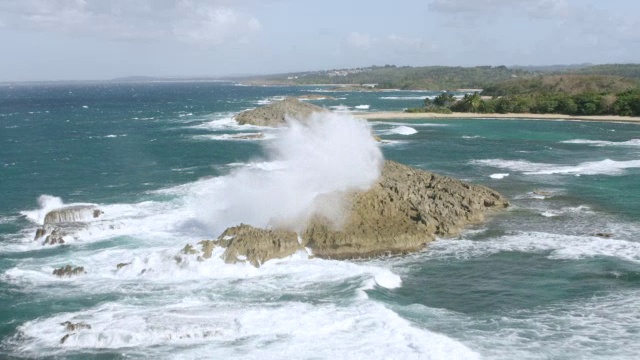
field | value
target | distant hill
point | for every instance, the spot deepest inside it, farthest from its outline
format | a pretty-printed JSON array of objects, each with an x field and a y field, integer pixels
[
  {"x": 551, "y": 68},
  {"x": 624, "y": 70},
  {"x": 567, "y": 83},
  {"x": 392, "y": 77},
  {"x": 516, "y": 78}
]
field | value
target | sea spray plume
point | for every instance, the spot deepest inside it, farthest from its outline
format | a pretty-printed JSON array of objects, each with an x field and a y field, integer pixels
[{"x": 310, "y": 166}]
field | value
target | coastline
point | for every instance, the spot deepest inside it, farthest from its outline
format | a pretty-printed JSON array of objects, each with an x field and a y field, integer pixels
[{"x": 527, "y": 116}]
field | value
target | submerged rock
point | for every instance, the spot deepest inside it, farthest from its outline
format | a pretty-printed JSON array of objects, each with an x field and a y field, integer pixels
[
  {"x": 275, "y": 114},
  {"x": 248, "y": 136},
  {"x": 69, "y": 326},
  {"x": 69, "y": 271},
  {"x": 121, "y": 265},
  {"x": 403, "y": 211}
]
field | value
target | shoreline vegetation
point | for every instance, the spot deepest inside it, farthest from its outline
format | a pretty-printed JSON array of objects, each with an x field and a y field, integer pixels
[
  {"x": 566, "y": 95},
  {"x": 398, "y": 115}
]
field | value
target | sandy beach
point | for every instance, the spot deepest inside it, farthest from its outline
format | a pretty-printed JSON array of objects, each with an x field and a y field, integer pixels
[{"x": 408, "y": 116}]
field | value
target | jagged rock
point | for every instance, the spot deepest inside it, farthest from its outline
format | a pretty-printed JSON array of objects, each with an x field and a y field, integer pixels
[
  {"x": 255, "y": 245},
  {"x": 71, "y": 214},
  {"x": 207, "y": 248},
  {"x": 40, "y": 233},
  {"x": 274, "y": 114},
  {"x": 65, "y": 338},
  {"x": 403, "y": 211},
  {"x": 56, "y": 237},
  {"x": 189, "y": 249},
  {"x": 121, "y": 265},
  {"x": 69, "y": 326},
  {"x": 69, "y": 271}
]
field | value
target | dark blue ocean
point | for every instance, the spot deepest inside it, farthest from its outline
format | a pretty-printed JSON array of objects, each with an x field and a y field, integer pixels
[{"x": 557, "y": 276}]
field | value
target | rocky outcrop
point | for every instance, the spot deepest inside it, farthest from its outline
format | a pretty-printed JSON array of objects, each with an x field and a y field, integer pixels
[
  {"x": 61, "y": 222},
  {"x": 72, "y": 214},
  {"x": 68, "y": 271},
  {"x": 255, "y": 245},
  {"x": 401, "y": 213},
  {"x": 56, "y": 237},
  {"x": 274, "y": 115}
]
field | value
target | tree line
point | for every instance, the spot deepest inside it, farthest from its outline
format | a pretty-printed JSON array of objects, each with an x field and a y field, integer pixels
[{"x": 626, "y": 103}]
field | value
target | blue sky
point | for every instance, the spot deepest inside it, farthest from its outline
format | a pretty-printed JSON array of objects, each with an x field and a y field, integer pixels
[{"x": 98, "y": 39}]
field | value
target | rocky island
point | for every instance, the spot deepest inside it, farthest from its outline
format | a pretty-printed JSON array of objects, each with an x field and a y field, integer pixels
[
  {"x": 402, "y": 212},
  {"x": 274, "y": 115}
]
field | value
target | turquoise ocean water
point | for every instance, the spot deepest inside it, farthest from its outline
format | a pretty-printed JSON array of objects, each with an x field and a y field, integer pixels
[{"x": 532, "y": 282}]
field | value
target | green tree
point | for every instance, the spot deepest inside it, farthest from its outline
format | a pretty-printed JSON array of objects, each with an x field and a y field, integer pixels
[{"x": 445, "y": 99}]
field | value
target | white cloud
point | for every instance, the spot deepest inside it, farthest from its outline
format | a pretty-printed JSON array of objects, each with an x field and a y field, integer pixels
[
  {"x": 409, "y": 42},
  {"x": 360, "y": 41},
  {"x": 203, "y": 22},
  {"x": 213, "y": 25},
  {"x": 541, "y": 8}
]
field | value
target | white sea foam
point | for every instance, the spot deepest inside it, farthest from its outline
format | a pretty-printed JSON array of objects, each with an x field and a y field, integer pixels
[
  {"x": 225, "y": 122},
  {"x": 363, "y": 107},
  {"x": 558, "y": 246},
  {"x": 632, "y": 142},
  {"x": 236, "y": 137},
  {"x": 604, "y": 167},
  {"x": 403, "y": 97},
  {"x": 403, "y": 130},
  {"x": 412, "y": 124},
  {"x": 499, "y": 176},
  {"x": 205, "y": 330},
  {"x": 340, "y": 108},
  {"x": 592, "y": 327}
]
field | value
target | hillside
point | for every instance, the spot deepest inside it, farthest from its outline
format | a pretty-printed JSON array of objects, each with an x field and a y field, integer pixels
[
  {"x": 392, "y": 77},
  {"x": 624, "y": 70},
  {"x": 571, "y": 84}
]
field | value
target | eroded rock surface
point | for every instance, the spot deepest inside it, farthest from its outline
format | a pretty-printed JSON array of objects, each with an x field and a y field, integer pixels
[
  {"x": 274, "y": 114},
  {"x": 403, "y": 211}
]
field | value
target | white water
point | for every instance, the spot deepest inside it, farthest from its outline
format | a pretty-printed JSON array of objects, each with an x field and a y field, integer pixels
[
  {"x": 632, "y": 142},
  {"x": 604, "y": 167},
  {"x": 403, "y": 130},
  {"x": 317, "y": 160}
]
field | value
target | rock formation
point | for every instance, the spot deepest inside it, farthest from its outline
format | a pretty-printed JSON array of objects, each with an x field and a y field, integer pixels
[
  {"x": 69, "y": 271},
  {"x": 71, "y": 214},
  {"x": 401, "y": 213},
  {"x": 275, "y": 114},
  {"x": 60, "y": 222}
]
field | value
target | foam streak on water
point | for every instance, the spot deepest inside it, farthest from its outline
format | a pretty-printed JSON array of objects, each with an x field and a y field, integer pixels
[{"x": 604, "y": 167}]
